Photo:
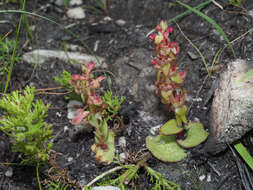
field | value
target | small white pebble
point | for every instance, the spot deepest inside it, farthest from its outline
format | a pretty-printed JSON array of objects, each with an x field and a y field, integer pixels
[
  {"x": 107, "y": 18},
  {"x": 75, "y": 2},
  {"x": 197, "y": 99},
  {"x": 76, "y": 13},
  {"x": 58, "y": 114},
  {"x": 154, "y": 129},
  {"x": 120, "y": 22},
  {"x": 122, "y": 142},
  {"x": 9, "y": 172},
  {"x": 208, "y": 178},
  {"x": 70, "y": 159},
  {"x": 65, "y": 129},
  {"x": 122, "y": 157},
  {"x": 202, "y": 177}
]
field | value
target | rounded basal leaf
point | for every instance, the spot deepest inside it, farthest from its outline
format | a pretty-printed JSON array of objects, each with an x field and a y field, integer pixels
[
  {"x": 165, "y": 148},
  {"x": 170, "y": 128},
  {"x": 195, "y": 134},
  {"x": 105, "y": 152}
]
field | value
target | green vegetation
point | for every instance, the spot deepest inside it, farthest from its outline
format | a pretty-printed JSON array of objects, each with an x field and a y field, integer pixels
[
  {"x": 176, "y": 134},
  {"x": 23, "y": 123}
]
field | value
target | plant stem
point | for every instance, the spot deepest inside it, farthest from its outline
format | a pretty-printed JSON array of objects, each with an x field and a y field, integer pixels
[{"x": 38, "y": 177}]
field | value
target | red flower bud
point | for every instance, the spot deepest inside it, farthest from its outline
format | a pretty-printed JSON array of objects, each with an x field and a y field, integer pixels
[
  {"x": 159, "y": 28},
  {"x": 155, "y": 62},
  {"x": 182, "y": 75},
  {"x": 152, "y": 36},
  {"x": 91, "y": 65}
]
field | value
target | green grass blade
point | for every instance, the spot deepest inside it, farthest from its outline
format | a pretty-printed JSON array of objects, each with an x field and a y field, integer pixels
[
  {"x": 200, "y": 6},
  {"x": 244, "y": 154},
  {"x": 211, "y": 21},
  {"x": 247, "y": 75},
  {"x": 13, "y": 56}
]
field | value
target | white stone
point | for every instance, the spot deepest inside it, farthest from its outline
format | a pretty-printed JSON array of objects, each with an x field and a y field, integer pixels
[
  {"x": 209, "y": 179},
  {"x": 122, "y": 142},
  {"x": 70, "y": 159},
  {"x": 75, "y": 2},
  {"x": 9, "y": 172},
  {"x": 120, "y": 22},
  {"x": 122, "y": 157},
  {"x": 65, "y": 129},
  {"x": 105, "y": 188},
  {"x": 76, "y": 13},
  {"x": 202, "y": 177},
  {"x": 155, "y": 129}
]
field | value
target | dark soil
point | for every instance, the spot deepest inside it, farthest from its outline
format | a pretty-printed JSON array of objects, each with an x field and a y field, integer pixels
[{"x": 117, "y": 42}]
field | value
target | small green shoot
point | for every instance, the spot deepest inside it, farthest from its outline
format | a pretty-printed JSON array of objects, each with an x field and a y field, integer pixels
[{"x": 113, "y": 103}]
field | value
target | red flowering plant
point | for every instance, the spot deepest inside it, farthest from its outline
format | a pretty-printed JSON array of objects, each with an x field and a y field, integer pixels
[
  {"x": 176, "y": 134},
  {"x": 96, "y": 112}
]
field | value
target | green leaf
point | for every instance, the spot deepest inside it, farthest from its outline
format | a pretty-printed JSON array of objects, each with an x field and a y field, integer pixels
[
  {"x": 177, "y": 79},
  {"x": 165, "y": 148},
  {"x": 211, "y": 21},
  {"x": 106, "y": 155},
  {"x": 181, "y": 112},
  {"x": 244, "y": 154},
  {"x": 195, "y": 134},
  {"x": 166, "y": 69},
  {"x": 170, "y": 128}
]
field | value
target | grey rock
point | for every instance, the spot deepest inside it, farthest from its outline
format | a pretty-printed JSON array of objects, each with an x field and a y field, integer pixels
[
  {"x": 40, "y": 56},
  {"x": 120, "y": 22},
  {"x": 59, "y": 2},
  {"x": 122, "y": 142},
  {"x": 9, "y": 172},
  {"x": 105, "y": 188},
  {"x": 232, "y": 108},
  {"x": 192, "y": 55}
]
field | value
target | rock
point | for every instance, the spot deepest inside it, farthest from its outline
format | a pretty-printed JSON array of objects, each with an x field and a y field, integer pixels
[
  {"x": 192, "y": 55},
  {"x": 154, "y": 130},
  {"x": 75, "y": 2},
  {"x": 9, "y": 172},
  {"x": 40, "y": 56},
  {"x": 122, "y": 142},
  {"x": 251, "y": 12},
  {"x": 120, "y": 22},
  {"x": 105, "y": 188},
  {"x": 59, "y": 3},
  {"x": 122, "y": 157},
  {"x": 232, "y": 108},
  {"x": 76, "y": 13}
]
